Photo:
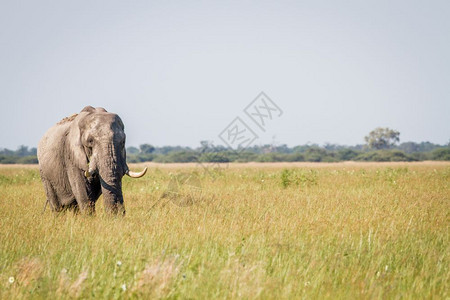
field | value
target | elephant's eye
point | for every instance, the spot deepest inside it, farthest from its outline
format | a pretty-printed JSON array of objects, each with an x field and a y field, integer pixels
[{"x": 90, "y": 142}]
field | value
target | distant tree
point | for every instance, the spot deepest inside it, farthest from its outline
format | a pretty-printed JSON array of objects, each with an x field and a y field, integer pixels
[
  {"x": 303, "y": 148},
  {"x": 283, "y": 149},
  {"x": 382, "y": 138},
  {"x": 206, "y": 147},
  {"x": 178, "y": 157},
  {"x": 317, "y": 154},
  {"x": 7, "y": 152},
  {"x": 427, "y": 146},
  {"x": 146, "y": 148},
  {"x": 22, "y": 151},
  {"x": 168, "y": 149},
  {"x": 132, "y": 150},
  {"x": 409, "y": 147},
  {"x": 205, "y": 144},
  {"x": 441, "y": 154},
  {"x": 330, "y": 147},
  {"x": 214, "y": 157},
  {"x": 268, "y": 148},
  {"x": 384, "y": 155},
  {"x": 295, "y": 157},
  {"x": 29, "y": 159},
  {"x": 346, "y": 154}
]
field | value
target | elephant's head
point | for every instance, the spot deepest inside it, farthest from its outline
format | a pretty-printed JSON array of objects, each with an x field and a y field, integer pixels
[{"x": 98, "y": 141}]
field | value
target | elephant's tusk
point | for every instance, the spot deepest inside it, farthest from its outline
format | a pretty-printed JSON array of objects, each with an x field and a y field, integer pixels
[
  {"x": 89, "y": 172},
  {"x": 136, "y": 174}
]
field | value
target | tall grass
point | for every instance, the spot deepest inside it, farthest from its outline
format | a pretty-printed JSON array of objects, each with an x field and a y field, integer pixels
[{"x": 342, "y": 231}]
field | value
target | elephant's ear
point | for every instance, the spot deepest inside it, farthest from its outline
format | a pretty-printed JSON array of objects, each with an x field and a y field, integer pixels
[{"x": 74, "y": 146}]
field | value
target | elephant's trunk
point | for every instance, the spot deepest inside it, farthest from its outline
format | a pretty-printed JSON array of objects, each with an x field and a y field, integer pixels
[
  {"x": 112, "y": 196},
  {"x": 111, "y": 171}
]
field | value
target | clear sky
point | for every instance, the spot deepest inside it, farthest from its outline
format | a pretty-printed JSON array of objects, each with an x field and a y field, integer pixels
[{"x": 178, "y": 72}]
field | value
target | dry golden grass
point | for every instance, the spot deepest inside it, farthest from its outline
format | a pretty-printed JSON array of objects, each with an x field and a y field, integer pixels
[
  {"x": 28, "y": 270},
  {"x": 296, "y": 230},
  {"x": 155, "y": 279}
]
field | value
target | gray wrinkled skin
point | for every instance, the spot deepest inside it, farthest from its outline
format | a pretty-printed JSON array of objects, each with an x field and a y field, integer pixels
[{"x": 93, "y": 140}]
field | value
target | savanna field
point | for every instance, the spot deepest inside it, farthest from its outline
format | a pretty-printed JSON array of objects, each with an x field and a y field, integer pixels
[{"x": 269, "y": 231}]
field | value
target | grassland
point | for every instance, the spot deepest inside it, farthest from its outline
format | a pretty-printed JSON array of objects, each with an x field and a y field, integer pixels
[{"x": 344, "y": 230}]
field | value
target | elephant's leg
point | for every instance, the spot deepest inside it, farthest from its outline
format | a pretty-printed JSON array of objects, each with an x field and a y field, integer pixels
[
  {"x": 79, "y": 190},
  {"x": 52, "y": 198},
  {"x": 73, "y": 207}
]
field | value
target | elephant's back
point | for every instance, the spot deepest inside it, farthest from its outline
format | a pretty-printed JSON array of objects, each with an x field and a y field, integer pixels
[{"x": 52, "y": 142}]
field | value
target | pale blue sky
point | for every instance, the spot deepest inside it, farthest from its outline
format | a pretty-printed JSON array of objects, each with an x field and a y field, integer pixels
[{"x": 178, "y": 72}]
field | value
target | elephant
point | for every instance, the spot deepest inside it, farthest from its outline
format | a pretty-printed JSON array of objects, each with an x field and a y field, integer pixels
[{"x": 82, "y": 157}]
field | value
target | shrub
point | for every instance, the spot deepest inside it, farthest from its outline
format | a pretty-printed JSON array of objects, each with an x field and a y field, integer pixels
[
  {"x": 295, "y": 157},
  {"x": 384, "y": 155},
  {"x": 441, "y": 154},
  {"x": 298, "y": 177},
  {"x": 218, "y": 157},
  {"x": 347, "y": 154},
  {"x": 32, "y": 159},
  {"x": 178, "y": 157},
  {"x": 14, "y": 159}
]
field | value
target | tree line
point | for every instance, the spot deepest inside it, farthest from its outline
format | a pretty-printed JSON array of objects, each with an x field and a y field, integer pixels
[
  {"x": 22, "y": 155},
  {"x": 409, "y": 151},
  {"x": 382, "y": 144}
]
